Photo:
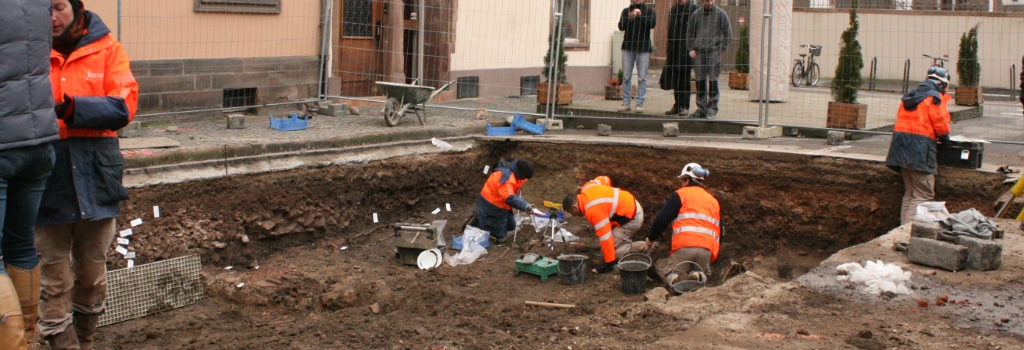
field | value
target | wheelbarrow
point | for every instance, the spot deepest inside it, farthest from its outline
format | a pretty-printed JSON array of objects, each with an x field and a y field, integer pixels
[{"x": 402, "y": 98}]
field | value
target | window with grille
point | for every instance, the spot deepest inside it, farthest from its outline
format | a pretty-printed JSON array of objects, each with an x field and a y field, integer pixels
[
  {"x": 238, "y": 6},
  {"x": 244, "y": 97},
  {"x": 358, "y": 20}
]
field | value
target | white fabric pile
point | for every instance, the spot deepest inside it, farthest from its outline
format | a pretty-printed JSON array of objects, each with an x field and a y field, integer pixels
[{"x": 878, "y": 277}]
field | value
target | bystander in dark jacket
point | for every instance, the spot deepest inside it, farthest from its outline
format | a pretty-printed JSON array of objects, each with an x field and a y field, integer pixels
[{"x": 676, "y": 75}]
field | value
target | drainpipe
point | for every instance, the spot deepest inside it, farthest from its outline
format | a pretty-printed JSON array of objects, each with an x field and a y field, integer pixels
[
  {"x": 325, "y": 46},
  {"x": 421, "y": 21}
]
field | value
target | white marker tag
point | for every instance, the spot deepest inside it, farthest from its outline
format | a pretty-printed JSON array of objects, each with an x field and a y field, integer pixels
[
  {"x": 228, "y": 267},
  {"x": 965, "y": 154},
  {"x": 122, "y": 241},
  {"x": 131, "y": 263},
  {"x": 448, "y": 206},
  {"x": 240, "y": 285},
  {"x": 438, "y": 210},
  {"x": 375, "y": 218},
  {"x": 486, "y": 168},
  {"x": 126, "y": 232},
  {"x": 136, "y": 222},
  {"x": 156, "y": 211},
  {"x": 257, "y": 267},
  {"x": 130, "y": 255},
  {"x": 121, "y": 250}
]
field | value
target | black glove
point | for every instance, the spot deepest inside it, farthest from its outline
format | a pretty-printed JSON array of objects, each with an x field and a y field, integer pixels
[
  {"x": 66, "y": 110},
  {"x": 944, "y": 139},
  {"x": 608, "y": 267}
]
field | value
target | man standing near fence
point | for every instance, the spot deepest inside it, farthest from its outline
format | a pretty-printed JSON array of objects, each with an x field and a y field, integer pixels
[
  {"x": 707, "y": 35},
  {"x": 636, "y": 21},
  {"x": 678, "y": 63}
]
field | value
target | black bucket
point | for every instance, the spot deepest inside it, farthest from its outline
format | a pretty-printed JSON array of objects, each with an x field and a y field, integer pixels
[
  {"x": 572, "y": 268},
  {"x": 633, "y": 270}
]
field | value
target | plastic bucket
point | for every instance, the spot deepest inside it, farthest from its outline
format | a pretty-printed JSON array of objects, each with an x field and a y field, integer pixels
[
  {"x": 633, "y": 270},
  {"x": 686, "y": 286},
  {"x": 572, "y": 268}
]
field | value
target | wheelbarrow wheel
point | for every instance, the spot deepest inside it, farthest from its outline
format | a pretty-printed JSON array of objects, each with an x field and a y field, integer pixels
[{"x": 391, "y": 108}]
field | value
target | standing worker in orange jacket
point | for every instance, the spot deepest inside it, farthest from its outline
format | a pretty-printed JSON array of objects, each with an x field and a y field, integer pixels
[
  {"x": 493, "y": 211},
  {"x": 96, "y": 95},
  {"x": 697, "y": 227},
  {"x": 615, "y": 215},
  {"x": 921, "y": 121}
]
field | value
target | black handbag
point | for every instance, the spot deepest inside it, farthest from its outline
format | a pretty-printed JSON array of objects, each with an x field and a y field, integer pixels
[{"x": 665, "y": 82}]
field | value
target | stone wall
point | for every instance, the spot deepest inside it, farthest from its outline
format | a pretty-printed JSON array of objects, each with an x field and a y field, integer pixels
[{"x": 183, "y": 85}]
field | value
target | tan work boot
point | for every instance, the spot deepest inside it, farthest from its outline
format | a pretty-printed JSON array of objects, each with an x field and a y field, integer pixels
[
  {"x": 12, "y": 326},
  {"x": 85, "y": 327},
  {"x": 26, "y": 283},
  {"x": 66, "y": 340}
]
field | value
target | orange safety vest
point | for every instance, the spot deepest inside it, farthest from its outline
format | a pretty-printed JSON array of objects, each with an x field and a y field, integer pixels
[
  {"x": 697, "y": 224},
  {"x": 99, "y": 68},
  {"x": 496, "y": 192},
  {"x": 599, "y": 203},
  {"x": 927, "y": 120},
  {"x": 600, "y": 180}
]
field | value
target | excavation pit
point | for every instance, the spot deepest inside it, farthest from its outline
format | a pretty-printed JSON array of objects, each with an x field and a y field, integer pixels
[{"x": 319, "y": 272}]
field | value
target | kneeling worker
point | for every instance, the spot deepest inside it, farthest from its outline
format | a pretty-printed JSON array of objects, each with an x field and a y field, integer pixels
[
  {"x": 696, "y": 227},
  {"x": 615, "y": 215},
  {"x": 493, "y": 211}
]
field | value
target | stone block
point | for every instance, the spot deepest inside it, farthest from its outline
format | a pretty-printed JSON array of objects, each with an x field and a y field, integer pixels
[
  {"x": 982, "y": 254},
  {"x": 925, "y": 229},
  {"x": 135, "y": 125},
  {"x": 836, "y": 137},
  {"x": 930, "y": 252},
  {"x": 670, "y": 129},
  {"x": 753, "y": 132},
  {"x": 553, "y": 124},
  {"x": 122, "y": 133},
  {"x": 321, "y": 107},
  {"x": 335, "y": 110},
  {"x": 236, "y": 121},
  {"x": 604, "y": 130}
]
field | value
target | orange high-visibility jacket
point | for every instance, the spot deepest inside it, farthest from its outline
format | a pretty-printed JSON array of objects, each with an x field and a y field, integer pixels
[
  {"x": 600, "y": 180},
  {"x": 496, "y": 192},
  {"x": 97, "y": 69},
  {"x": 698, "y": 222},
  {"x": 922, "y": 119},
  {"x": 604, "y": 207}
]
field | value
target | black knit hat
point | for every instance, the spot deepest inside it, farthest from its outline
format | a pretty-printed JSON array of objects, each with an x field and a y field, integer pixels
[
  {"x": 524, "y": 169},
  {"x": 76, "y": 5}
]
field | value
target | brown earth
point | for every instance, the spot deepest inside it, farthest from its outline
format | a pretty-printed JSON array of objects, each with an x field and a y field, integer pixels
[{"x": 783, "y": 214}]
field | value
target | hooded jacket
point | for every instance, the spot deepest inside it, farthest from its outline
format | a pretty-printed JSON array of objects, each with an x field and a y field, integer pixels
[
  {"x": 637, "y": 37},
  {"x": 86, "y": 180},
  {"x": 922, "y": 119},
  {"x": 708, "y": 30},
  {"x": 26, "y": 100}
]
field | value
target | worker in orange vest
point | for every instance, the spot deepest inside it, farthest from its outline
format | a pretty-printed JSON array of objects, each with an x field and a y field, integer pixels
[
  {"x": 695, "y": 217},
  {"x": 615, "y": 215},
  {"x": 493, "y": 211}
]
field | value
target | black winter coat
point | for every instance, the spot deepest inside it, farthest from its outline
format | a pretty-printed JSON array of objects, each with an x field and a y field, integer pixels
[{"x": 678, "y": 56}]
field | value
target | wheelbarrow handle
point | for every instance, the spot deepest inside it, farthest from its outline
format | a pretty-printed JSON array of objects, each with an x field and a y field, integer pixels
[{"x": 439, "y": 90}]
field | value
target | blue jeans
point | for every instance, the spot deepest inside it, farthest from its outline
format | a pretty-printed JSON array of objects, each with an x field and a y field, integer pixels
[
  {"x": 641, "y": 60},
  {"x": 23, "y": 174}
]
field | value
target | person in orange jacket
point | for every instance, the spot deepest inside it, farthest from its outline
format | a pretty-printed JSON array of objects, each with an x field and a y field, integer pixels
[
  {"x": 96, "y": 95},
  {"x": 922, "y": 120},
  {"x": 493, "y": 211},
  {"x": 615, "y": 215},
  {"x": 696, "y": 220}
]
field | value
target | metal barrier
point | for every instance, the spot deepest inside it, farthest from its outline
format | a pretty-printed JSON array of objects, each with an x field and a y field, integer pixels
[
  {"x": 873, "y": 74},
  {"x": 906, "y": 76},
  {"x": 1013, "y": 79}
]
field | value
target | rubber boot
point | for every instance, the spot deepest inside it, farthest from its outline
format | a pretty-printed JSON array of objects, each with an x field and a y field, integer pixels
[
  {"x": 12, "y": 326},
  {"x": 66, "y": 340},
  {"x": 85, "y": 327},
  {"x": 26, "y": 282}
]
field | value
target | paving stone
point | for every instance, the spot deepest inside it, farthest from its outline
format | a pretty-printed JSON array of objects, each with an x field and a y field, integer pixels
[
  {"x": 982, "y": 254},
  {"x": 670, "y": 129},
  {"x": 925, "y": 229},
  {"x": 930, "y": 252},
  {"x": 236, "y": 121},
  {"x": 335, "y": 110},
  {"x": 604, "y": 130},
  {"x": 836, "y": 138}
]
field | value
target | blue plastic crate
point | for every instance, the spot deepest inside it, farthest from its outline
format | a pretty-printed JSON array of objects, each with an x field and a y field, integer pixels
[
  {"x": 519, "y": 121},
  {"x": 288, "y": 124},
  {"x": 500, "y": 130}
]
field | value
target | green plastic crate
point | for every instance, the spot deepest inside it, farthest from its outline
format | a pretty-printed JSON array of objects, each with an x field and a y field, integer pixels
[{"x": 543, "y": 267}]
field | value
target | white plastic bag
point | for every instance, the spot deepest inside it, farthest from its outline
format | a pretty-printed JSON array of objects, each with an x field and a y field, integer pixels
[
  {"x": 931, "y": 211},
  {"x": 471, "y": 250}
]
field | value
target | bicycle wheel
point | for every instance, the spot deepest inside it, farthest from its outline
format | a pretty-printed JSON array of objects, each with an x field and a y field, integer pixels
[
  {"x": 797, "y": 77},
  {"x": 813, "y": 74}
]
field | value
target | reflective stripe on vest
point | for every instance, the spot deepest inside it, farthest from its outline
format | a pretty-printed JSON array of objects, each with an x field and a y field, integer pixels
[
  {"x": 615, "y": 205},
  {"x": 696, "y": 229}
]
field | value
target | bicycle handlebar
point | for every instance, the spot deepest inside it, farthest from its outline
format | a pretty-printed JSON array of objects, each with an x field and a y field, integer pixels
[{"x": 944, "y": 58}]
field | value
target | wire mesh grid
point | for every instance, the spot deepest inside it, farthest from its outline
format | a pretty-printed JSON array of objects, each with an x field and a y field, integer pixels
[{"x": 152, "y": 288}]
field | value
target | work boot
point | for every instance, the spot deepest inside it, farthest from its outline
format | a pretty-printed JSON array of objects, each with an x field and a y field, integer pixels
[
  {"x": 66, "y": 340},
  {"x": 12, "y": 325},
  {"x": 624, "y": 108},
  {"x": 674, "y": 110},
  {"x": 85, "y": 327},
  {"x": 639, "y": 109},
  {"x": 26, "y": 283},
  {"x": 684, "y": 112}
]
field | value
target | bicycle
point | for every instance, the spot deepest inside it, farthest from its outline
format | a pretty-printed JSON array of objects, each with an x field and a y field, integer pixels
[
  {"x": 938, "y": 61},
  {"x": 806, "y": 68}
]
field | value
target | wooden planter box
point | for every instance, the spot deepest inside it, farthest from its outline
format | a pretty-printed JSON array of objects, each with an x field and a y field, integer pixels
[
  {"x": 563, "y": 94},
  {"x": 846, "y": 115},
  {"x": 968, "y": 95},
  {"x": 613, "y": 92},
  {"x": 738, "y": 81}
]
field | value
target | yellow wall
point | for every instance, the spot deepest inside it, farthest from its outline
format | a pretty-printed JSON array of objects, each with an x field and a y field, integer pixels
[{"x": 155, "y": 29}]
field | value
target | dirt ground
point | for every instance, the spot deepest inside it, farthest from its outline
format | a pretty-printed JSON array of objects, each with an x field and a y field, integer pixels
[{"x": 784, "y": 215}]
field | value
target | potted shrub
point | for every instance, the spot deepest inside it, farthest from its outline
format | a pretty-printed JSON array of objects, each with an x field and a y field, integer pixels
[
  {"x": 613, "y": 91},
  {"x": 738, "y": 79},
  {"x": 563, "y": 90},
  {"x": 845, "y": 112},
  {"x": 968, "y": 70}
]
